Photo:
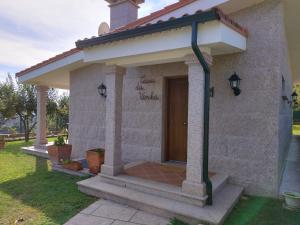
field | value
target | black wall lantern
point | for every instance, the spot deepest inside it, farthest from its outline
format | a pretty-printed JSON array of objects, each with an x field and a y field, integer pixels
[
  {"x": 234, "y": 82},
  {"x": 294, "y": 96},
  {"x": 102, "y": 90}
]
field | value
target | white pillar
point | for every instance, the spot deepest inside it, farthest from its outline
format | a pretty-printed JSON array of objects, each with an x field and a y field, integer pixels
[
  {"x": 42, "y": 92},
  {"x": 113, "y": 163},
  {"x": 194, "y": 180}
]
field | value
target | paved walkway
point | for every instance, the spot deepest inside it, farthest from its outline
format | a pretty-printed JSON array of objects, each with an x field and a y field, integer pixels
[
  {"x": 104, "y": 212},
  {"x": 291, "y": 176}
]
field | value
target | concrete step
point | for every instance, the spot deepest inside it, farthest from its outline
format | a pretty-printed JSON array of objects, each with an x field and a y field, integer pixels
[
  {"x": 36, "y": 152},
  {"x": 224, "y": 200}
]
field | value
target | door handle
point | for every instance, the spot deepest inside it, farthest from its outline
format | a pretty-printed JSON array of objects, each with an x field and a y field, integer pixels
[{"x": 184, "y": 123}]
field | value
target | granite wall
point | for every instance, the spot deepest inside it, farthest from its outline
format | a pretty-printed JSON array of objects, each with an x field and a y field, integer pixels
[
  {"x": 143, "y": 119},
  {"x": 87, "y": 110},
  {"x": 249, "y": 134}
]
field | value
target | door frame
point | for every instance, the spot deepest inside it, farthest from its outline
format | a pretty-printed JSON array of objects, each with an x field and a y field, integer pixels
[{"x": 165, "y": 115}]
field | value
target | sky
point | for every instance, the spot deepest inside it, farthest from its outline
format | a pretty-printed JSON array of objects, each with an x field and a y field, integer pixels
[{"x": 34, "y": 30}]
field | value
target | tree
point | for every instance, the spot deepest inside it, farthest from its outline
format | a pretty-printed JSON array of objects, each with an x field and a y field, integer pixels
[
  {"x": 296, "y": 105},
  {"x": 63, "y": 112},
  {"x": 20, "y": 99}
]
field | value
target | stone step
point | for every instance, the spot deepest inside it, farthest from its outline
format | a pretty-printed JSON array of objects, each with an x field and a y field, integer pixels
[
  {"x": 161, "y": 189},
  {"x": 219, "y": 181},
  {"x": 224, "y": 200},
  {"x": 153, "y": 188}
]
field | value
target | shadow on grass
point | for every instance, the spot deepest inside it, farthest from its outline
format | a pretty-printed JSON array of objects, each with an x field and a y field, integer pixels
[
  {"x": 54, "y": 194},
  {"x": 262, "y": 211}
]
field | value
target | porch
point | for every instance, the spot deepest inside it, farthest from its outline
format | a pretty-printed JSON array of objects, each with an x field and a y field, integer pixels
[{"x": 103, "y": 121}]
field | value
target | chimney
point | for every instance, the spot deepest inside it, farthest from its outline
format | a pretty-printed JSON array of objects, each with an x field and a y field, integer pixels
[{"x": 123, "y": 12}]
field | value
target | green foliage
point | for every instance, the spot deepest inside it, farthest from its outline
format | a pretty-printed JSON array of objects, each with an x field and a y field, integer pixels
[
  {"x": 65, "y": 162},
  {"x": 99, "y": 150},
  {"x": 60, "y": 141},
  {"x": 296, "y": 129},
  {"x": 296, "y": 105},
  {"x": 58, "y": 121},
  {"x": 30, "y": 190},
  {"x": 18, "y": 99}
]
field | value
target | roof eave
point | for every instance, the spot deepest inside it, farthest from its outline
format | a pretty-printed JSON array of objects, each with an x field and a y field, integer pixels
[{"x": 150, "y": 29}]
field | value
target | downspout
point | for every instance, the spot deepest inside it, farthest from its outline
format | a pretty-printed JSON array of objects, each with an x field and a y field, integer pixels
[{"x": 206, "y": 70}]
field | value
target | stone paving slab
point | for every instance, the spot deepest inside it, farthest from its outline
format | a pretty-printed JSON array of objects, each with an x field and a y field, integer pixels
[
  {"x": 291, "y": 175},
  {"x": 105, "y": 212}
]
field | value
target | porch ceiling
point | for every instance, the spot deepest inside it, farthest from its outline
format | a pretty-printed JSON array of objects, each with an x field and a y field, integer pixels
[
  {"x": 215, "y": 38},
  {"x": 168, "y": 46},
  {"x": 55, "y": 74}
]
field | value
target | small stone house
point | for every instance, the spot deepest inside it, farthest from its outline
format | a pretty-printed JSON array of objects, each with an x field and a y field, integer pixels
[{"x": 157, "y": 89}]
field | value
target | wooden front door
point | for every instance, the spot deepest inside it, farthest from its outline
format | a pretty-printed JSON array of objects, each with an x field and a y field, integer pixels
[{"x": 176, "y": 119}]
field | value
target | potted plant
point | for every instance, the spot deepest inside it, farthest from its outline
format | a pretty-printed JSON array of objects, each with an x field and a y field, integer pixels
[
  {"x": 95, "y": 159},
  {"x": 60, "y": 151},
  {"x": 292, "y": 200},
  {"x": 2, "y": 142},
  {"x": 72, "y": 165}
]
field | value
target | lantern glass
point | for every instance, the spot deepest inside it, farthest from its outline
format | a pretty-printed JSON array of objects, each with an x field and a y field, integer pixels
[
  {"x": 234, "y": 81},
  {"x": 102, "y": 90}
]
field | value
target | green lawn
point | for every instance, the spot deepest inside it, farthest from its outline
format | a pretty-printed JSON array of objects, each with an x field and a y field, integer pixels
[
  {"x": 29, "y": 190},
  {"x": 258, "y": 211},
  {"x": 262, "y": 211}
]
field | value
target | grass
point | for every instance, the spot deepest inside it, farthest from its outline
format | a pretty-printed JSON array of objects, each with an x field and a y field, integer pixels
[
  {"x": 258, "y": 211},
  {"x": 31, "y": 192},
  {"x": 262, "y": 211}
]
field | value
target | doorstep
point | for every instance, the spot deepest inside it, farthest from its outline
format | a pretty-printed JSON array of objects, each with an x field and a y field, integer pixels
[{"x": 146, "y": 199}]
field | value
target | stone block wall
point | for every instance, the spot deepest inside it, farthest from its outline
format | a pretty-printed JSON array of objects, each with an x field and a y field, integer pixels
[
  {"x": 87, "y": 110},
  {"x": 249, "y": 133},
  {"x": 142, "y": 133},
  {"x": 142, "y": 121}
]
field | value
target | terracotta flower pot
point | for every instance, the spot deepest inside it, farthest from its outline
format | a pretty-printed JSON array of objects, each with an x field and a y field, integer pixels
[
  {"x": 58, "y": 154},
  {"x": 2, "y": 144},
  {"x": 95, "y": 159},
  {"x": 73, "y": 166}
]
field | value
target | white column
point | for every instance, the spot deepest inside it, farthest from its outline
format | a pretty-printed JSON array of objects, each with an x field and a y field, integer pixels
[
  {"x": 194, "y": 180},
  {"x": 113, "y": 163},
  {"x": 42, "y": 92}
]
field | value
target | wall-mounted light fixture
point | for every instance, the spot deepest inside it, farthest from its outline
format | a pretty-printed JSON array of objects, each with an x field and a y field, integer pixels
[
  {"x": 293, "y": 101},
  {"x": 102, "y": 90},
  {"x": 234, "y": 82},
  {"x": 294, "y": 97}
]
